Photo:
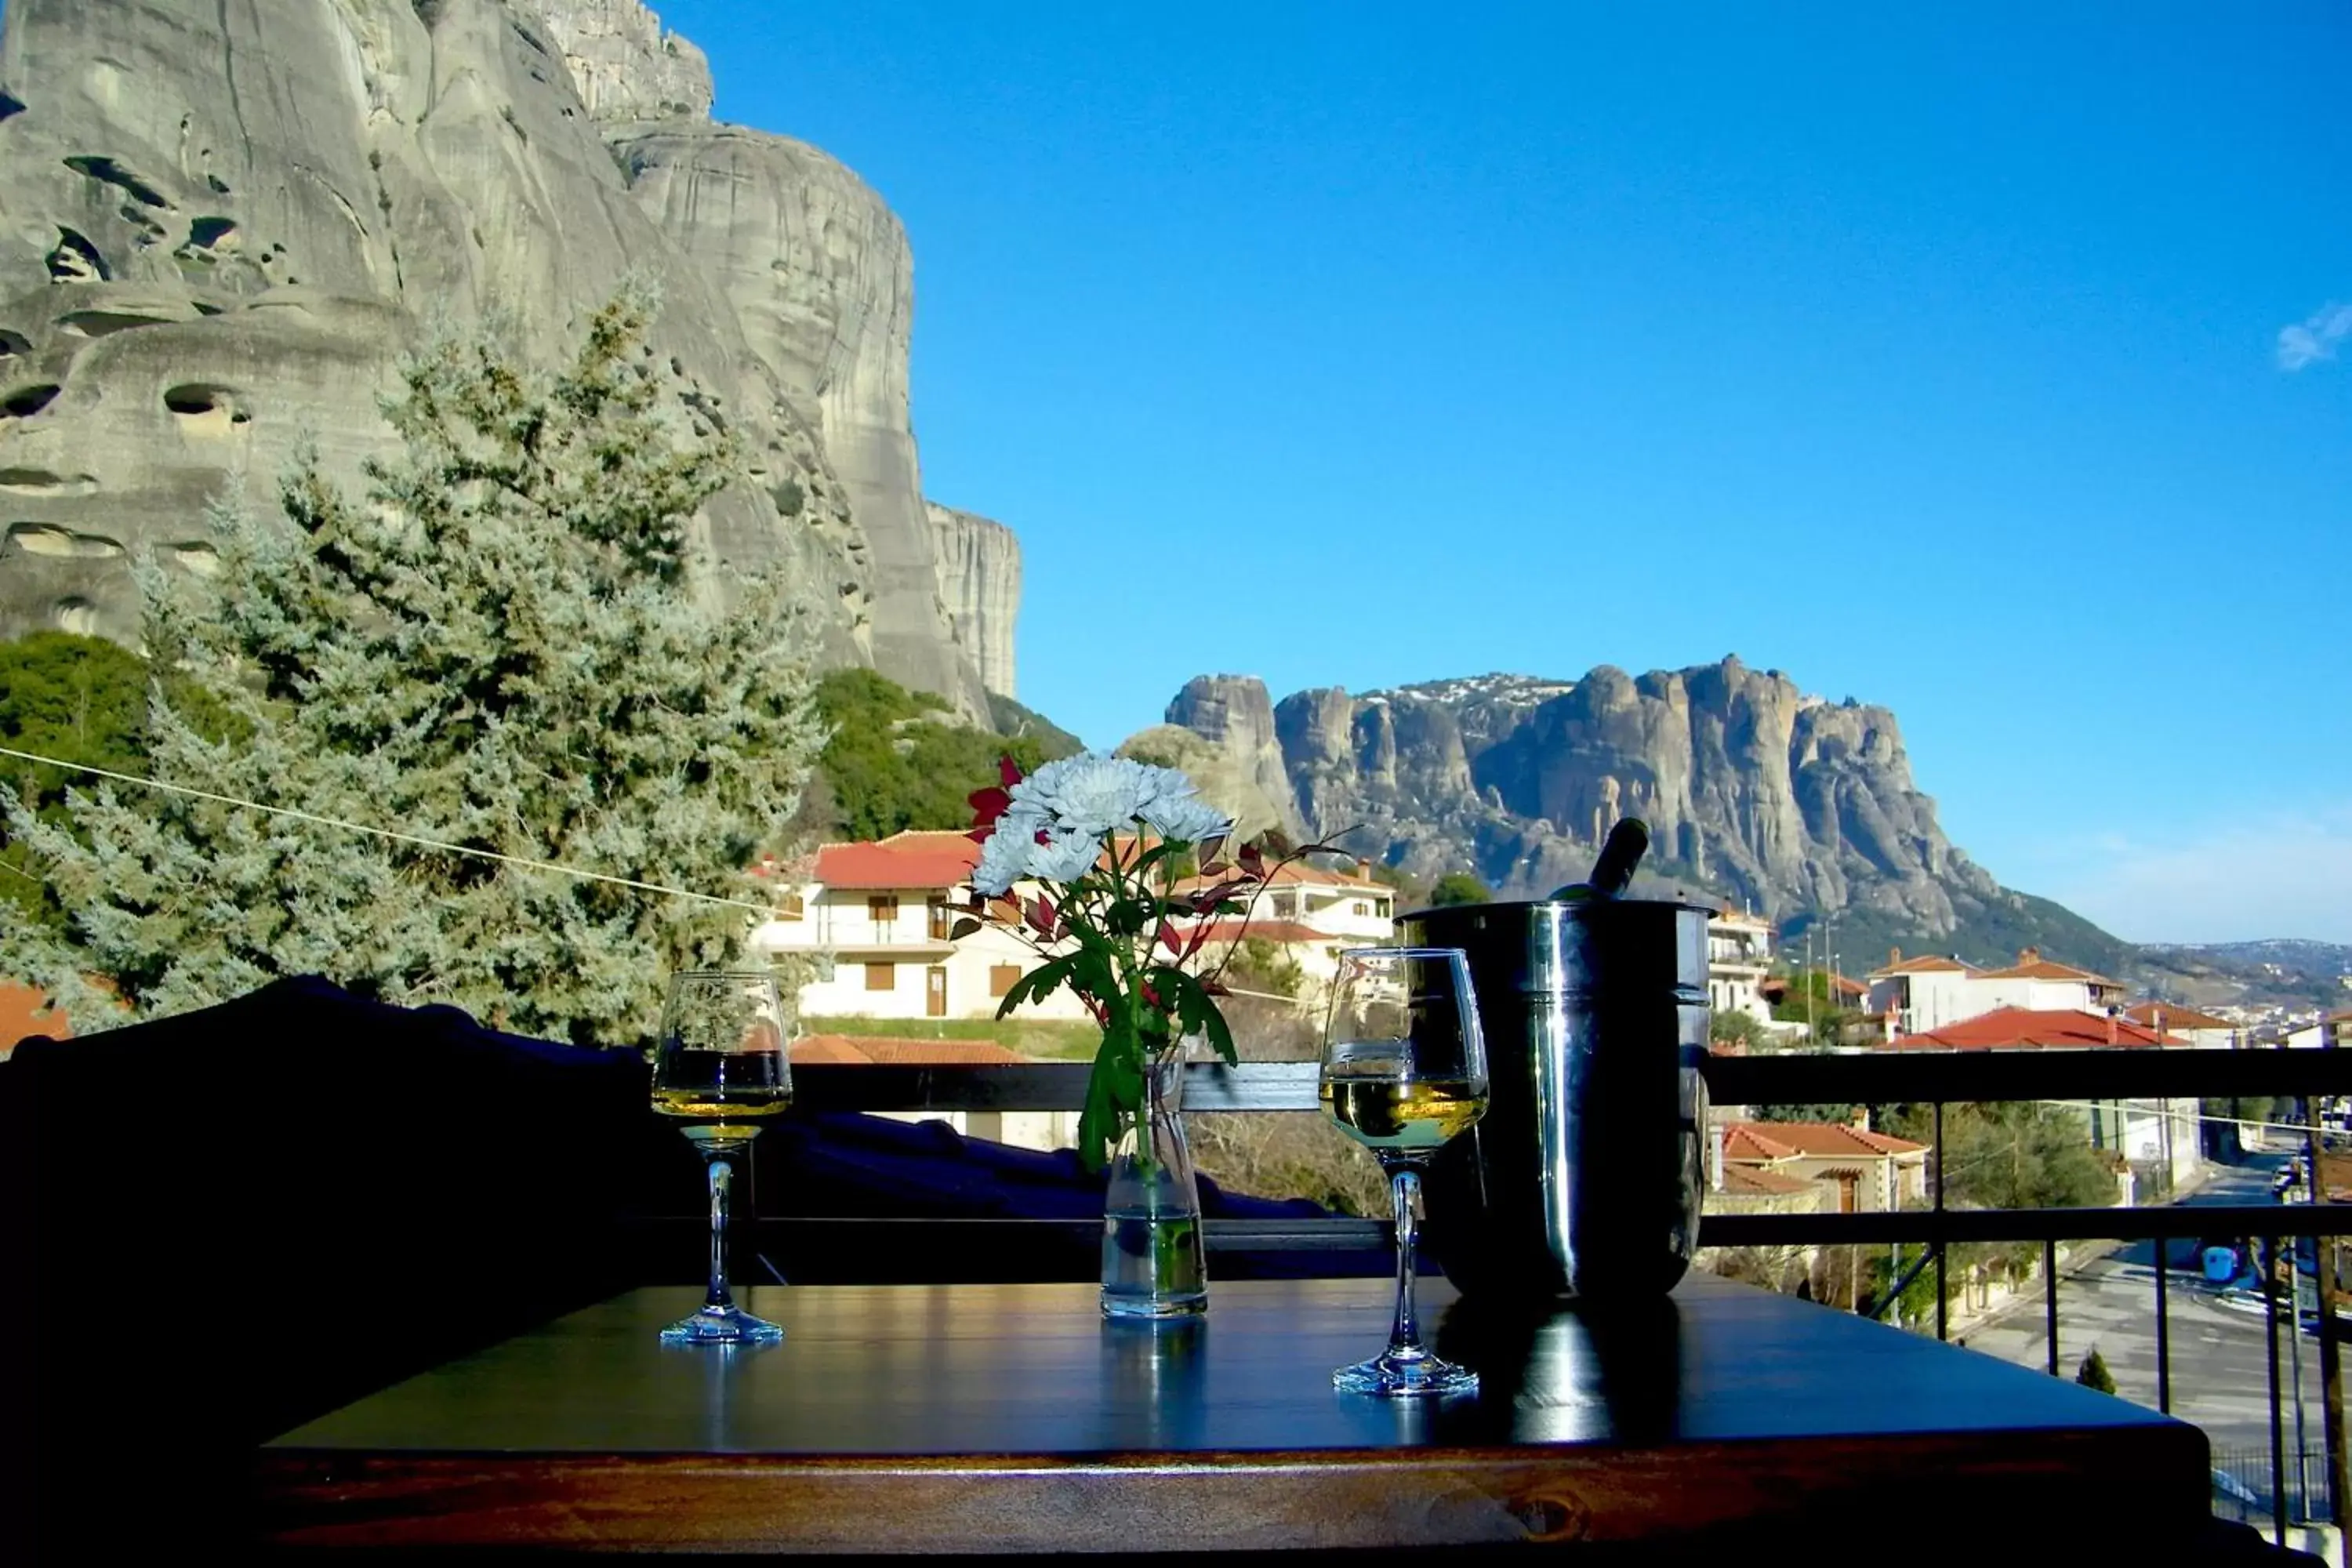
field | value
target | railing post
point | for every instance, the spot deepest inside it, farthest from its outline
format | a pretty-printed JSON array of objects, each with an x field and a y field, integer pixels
[
  {"x": 2278, "y": 1436},
  {"x": 2163, "y": 1338},
  {"x": 2331, "y": 1356},
  {"x": 1942, "y": 1327},
  {"x": 2050, "y": 1298}
]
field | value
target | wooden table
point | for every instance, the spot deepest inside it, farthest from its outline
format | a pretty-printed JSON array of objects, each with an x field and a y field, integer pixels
[{"x": 1011, "y": 1418}]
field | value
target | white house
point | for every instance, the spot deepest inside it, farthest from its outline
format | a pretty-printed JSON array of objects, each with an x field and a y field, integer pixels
[
  {"x": 2186, "y": 1023},
  {"x": 877, "y": 916},
  {"x": 1310, "y": 914},
  {"x": 1918, "y": 995},
  {"x": 1738, "y": 957}
]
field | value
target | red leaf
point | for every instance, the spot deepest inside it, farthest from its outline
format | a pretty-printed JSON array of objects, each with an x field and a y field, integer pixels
[
  {"x": 1043, "y": 836},
  {"x": 1008, "y": 772},
  {"x": 983, "y": 833},
  {"x": 987, "y": 806},
  {"x": 962, "y": 930},
  {"x": 1215, "y": 988},
  {"x": 1040, "y": 916},
  {"x": 1170, "y": 938},
  {"x": 1252, "y": 861},
  {"x": 1200, "y": 935},
  {"x": 1150, "y": 996}
]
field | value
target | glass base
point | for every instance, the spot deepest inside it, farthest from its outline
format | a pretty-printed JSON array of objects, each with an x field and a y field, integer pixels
[
  {"x": 1405, "y": 1376},
  {"x": 1158, "y": 1309},
  {"x": 721, "y": 1326}
]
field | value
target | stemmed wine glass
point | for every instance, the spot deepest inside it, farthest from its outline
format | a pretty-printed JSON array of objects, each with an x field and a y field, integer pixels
[
  {"x": 1405, "y": 1070},
  {"x": 721, "y": 1066}
]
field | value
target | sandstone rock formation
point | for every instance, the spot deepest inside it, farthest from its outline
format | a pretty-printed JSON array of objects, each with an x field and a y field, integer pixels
[
  {"x": 978, "y": 566},
  {"x": 1232, "y": 714},
  {"x": 225, "y": 221},
  {"x": 1751, "y": 788}
]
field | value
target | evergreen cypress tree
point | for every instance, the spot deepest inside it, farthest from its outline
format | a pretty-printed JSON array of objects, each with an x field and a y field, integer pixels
[{"x": 511, "y": 642}]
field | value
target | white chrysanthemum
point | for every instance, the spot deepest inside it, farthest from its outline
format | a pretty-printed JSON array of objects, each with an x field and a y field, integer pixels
[
  {"x": 1185, "y": 818},
  {"x": 1091, "y": 793},
  {"x": 1066, "y": 858},
  {"x": 1005, "y": 857}
]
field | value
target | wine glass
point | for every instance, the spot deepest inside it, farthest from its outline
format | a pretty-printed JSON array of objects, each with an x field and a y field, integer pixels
[
  {"x": 721, "y": 1066},
  {"x": 1405, "y": 1070}
]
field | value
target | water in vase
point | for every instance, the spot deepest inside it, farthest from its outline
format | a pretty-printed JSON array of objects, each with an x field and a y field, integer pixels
[{"x": 1151, "y": 1265}]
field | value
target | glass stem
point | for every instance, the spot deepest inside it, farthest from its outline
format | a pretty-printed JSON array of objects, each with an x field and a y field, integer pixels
[
  {"x": 722, "y": 1178},
  {"x": 1404, "y": 1187}
]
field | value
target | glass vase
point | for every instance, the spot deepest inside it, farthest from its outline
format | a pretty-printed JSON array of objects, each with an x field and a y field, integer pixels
[{"x": 1151, "y": 1253}]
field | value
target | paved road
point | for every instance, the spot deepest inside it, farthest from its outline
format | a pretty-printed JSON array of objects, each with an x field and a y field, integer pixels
[{"x": 2218, "y": 1375}]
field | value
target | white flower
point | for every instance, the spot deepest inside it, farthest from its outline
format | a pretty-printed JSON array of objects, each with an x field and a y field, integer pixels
[
  {"x": 1004, "y": 858},
  {"x": 1185, "y": 818},
  {"x": 1090, "y": 794},
  {"x": 1064, "y": 857}
]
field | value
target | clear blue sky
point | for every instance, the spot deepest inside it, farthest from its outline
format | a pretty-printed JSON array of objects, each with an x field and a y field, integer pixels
[{"x": 1936, "y": 363}]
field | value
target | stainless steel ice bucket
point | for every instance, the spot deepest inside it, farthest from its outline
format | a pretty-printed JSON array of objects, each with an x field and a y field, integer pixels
[{"x": 1585, "y": 1177}]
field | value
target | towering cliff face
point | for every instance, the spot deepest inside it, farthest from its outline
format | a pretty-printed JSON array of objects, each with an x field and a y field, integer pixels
[
  {"x": 1232, "y": 714},
  {"x": 979, "y": 564},
  {"x": 224, "y": 222},
  {"x": 1749, "y": 788}
]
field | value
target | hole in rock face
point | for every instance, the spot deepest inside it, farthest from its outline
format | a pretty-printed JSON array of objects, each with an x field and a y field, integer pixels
[
  {"x": 121, "y": 179},
  {"x": 219, "y": 186},
  {"x": 61, "y": 543},
  {"x": 207, "y": 233},
  {"x": 204, "y": 309},
  {"x": 27, "y": 401},
  {"x": 195, "y": 556},
  {"x": 10, "y": 104},
  {"x": 205, "y": 410},
  {"x": 42, "y": 482},
  {"x": 77, "y": 261},
  {"x": 98, "y": 324},
  {"x": 76, "y": 615},
  {"x": 14, "y": 342}
]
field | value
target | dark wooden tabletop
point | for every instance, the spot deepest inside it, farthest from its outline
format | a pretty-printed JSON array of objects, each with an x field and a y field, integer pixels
[{"x": 1011, "y": 1416}]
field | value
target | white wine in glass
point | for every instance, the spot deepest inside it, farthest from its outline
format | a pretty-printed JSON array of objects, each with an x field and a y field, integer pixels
[
  {"x": 1405, "y": 1070},
  {"x": 721, "y": 1068}
]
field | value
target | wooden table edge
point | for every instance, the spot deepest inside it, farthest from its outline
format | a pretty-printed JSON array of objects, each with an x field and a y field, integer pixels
[{"x": 1327, "y": 1499}]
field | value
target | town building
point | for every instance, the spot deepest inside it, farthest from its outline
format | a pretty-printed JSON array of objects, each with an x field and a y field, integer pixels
[
  {"x": 877, "y": 919},
  {"x": 1738, "y": 960},
  {"x": 2159, "y": 1137},
  {"x": 2187, "y": 1025},
  {"x": 1923, "y": 993},
  {"x": 1308, "y": 914},
  {"x": 1860, "y": 1172}
]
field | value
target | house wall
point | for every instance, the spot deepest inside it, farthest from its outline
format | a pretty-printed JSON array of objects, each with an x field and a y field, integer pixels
[
  {"x": 836, "y": 927},
  {"x": 1873, "y": 1193}
]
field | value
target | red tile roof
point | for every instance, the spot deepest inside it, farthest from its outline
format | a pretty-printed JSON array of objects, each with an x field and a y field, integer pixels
[
  {"x": 1764, "y": 1142},
  {"x": 2044, "y": 969},
  {"x": 877, "y": 1051},
  {"x": 2174, "y": 1016},
  {"x": 909, "y": 859},
  {"x": 1924, "y": 964},
  {"x": 2026, "y": 1028},
  {"x": 25, "y": 1012}
]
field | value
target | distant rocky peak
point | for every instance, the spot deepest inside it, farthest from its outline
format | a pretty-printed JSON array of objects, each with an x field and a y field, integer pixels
[
  {"x": 1752, "y": 789},
  {"x": 624, "y": 65}
]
